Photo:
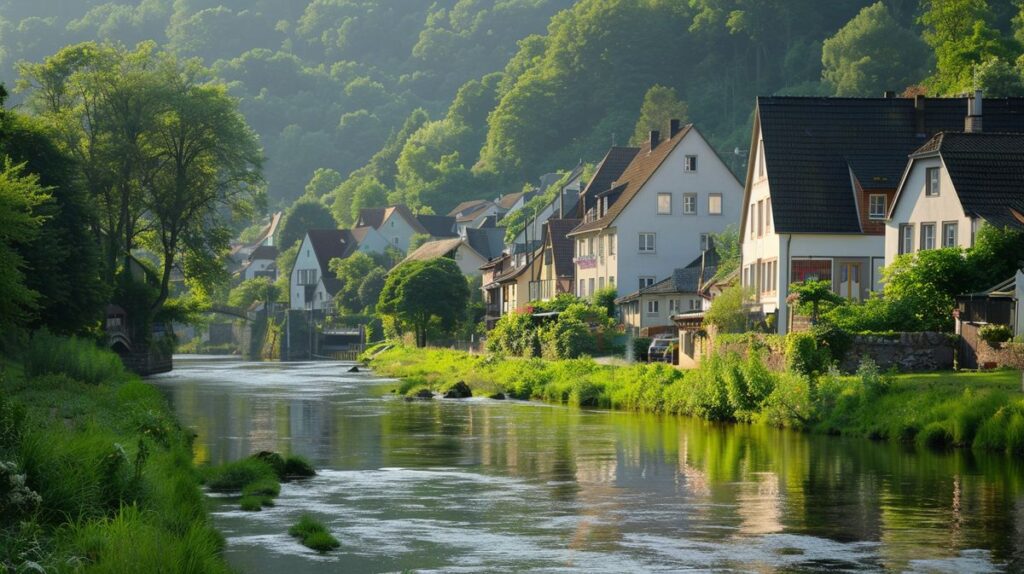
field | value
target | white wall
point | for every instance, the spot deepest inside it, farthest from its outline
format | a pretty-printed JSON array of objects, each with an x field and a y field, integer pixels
[
  {"x": 376, "y": 242},
  {"x": 678, "y": 235},
  {"x": 468, "y": 260},
  {"x": 256, "y": 266},
  {"x": 915, "y": 208},
  {"x": 396, "y": 231}
]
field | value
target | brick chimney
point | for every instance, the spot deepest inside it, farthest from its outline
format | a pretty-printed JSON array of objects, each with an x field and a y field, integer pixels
[
  {"x": 972, "y": 123},
  {"x": 674, "y": 126},
  {"x": 655, "y": 139}
]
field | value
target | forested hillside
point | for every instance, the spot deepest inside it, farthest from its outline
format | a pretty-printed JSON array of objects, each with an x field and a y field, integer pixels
[{"x": 431, "y": 104}]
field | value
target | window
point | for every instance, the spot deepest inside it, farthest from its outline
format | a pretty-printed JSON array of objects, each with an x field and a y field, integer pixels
[
  {"x": 974, "y": 229},
  {"x": 695, "y": 304},
  {"x": 949, "y": 234},
  {"x": 768, "y": 214},
  {"x": 876, "y": 203},
  {"x": 906, "y": 238},
  {"x": 583, "y": 288},
  {"x": 690, "y": 163},
  {"x": 760, "y": 160},
  {"x": 652, "y": 307},
  {"x": 646, "y": 281},
  {"x": 307, "y": 276},
  {"x": 664, "y": 204},
  {"x": 611, "y": 281},
  {"x": 811, "y": 269},
  {"x": 579, "y": 248},
  {"x": 611, "y": 245},
  {"x": 769, "y": 276},
  {"x": 927, "y": 236},
  {"x": 932, "y": 183},
  {"x": 590, "y": 283},
  {"x": 673, "y": 305},
  {"x": 705, "y": 241},
  {"x": 715, "y": 204},
  {"x": 689, "y": 204},
  {"x": 600, "y": 282},
  {"x": 761, "y": 218},
  {"x": 600, "y": 246},
  {"x": 646, "y": 243},
  {"x": 395, "y": 240},
  {"x": 590, "y": 246},
  {"x": 753, "y": 223}
]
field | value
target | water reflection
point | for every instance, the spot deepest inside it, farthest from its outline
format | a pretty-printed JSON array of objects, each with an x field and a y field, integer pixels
[{"x": 501, "y": 486}]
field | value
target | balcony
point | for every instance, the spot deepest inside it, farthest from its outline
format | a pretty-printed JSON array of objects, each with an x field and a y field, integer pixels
[{"x": 585, "y": 261}]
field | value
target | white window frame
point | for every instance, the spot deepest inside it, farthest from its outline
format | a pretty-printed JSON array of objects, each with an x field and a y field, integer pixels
[
  {"x": 646, "y": 281},
  {"x": 872, "y": 204},
  {"x": 927, "y": 240},
  {"x": 652, "y": 308},
  {"x": 689, "y": 204},
  {"x": 906, "y": 244},
  {"x": 647, "y": 242},
  {"x": 932, "y": 182},
  {"x": 947, "y": 225},
  {"x": 664, "y": 204},
  {"x": 711, "y": 203},
  {"x": 705, "y": 241},
  {"x": 690, "y": 164}
]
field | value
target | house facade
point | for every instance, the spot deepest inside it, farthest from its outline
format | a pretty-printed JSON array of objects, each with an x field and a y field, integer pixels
[
  {"x": 821, "y": 179},
  {"x": 652, "y": 308},
  {"x": 953, "y": 185},
  {"x": 261, "y": 263},
  {"x": 470, "y": 251},
  {"x": 659, "y": 213},
  {"x": 312, "y": 285},
  {"x": 557, "y": 272},
  {"x": 396, "y": 224}
]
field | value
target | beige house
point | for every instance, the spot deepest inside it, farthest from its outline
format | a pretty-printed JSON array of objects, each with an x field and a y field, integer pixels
[{"x": 651, "y": 309}]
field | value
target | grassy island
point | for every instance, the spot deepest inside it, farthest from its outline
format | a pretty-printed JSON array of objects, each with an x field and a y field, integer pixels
[
  {"x": 984, "y": 410},
  {"x": 100, "y": 475}
]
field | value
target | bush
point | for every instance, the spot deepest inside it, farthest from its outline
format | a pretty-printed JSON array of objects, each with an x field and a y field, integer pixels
[
  {"x": 298, "y": 466},
  {"x": 77, "y": 358},
  {"x": 313, "y": 534},
  {"x": 640, "y": 347},
  {"x": 994, "y": 334},
  {"x": 234, "y": 476},
  {"x": 935, "y": 435},
  {"x": 804, "y": 356},
  {"x": 567, "y": 338}
]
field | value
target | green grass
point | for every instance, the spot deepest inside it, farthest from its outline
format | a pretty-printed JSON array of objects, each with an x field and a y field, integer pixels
[
  {"x": 234, "y": 476},
  {"x": 257, "y": 477},
  {"x": 313, "y": 534},
  {"x": 983, "y": 410},
  {"x": 298, "y": 466},
  {"x": 117, "y": 490}
]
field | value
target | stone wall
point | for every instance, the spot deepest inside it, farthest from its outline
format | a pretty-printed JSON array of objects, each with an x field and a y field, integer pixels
[
  {"x": 903, "y": 351},
  {"x": 979, "y": 354}
]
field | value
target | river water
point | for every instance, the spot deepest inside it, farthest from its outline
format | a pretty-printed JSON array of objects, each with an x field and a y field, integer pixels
[{"x": 501, "y": 486}]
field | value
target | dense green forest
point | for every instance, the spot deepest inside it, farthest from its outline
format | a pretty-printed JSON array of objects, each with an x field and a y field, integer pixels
[{"x": 434, "y": 103}]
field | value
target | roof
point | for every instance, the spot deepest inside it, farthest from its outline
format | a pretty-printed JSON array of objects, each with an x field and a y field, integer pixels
[
  {"x": 328, "y": 244},
  {"x": 376, "y": 216},
  {"x": 438, "y": 225},
  {"x": 987, "y": 171},
  {"x": 270, "y": 229},
  {"x": 488, "y": 241},
  {"x": 467, "y": 206},
  {"x": 635, "y": 176},
  {"x": 263, "y": 252},
  {"x": 353, "y": 238},
  {"x": 434, "y": 249},
  {"x": 689, "y": 279},
  {"x": 811, "y": 146},
  {"x": 608, "y": 171},
  {"x": 473, "y": 212},
  {"x": 562, "y": 245},
  {"x": 510, "y": 199}
]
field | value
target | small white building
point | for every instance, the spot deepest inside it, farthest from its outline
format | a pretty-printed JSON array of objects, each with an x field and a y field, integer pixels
[
  {"x": 682, "y": 292},
  {"x": 658, "y": 215},
  {"x": 470, "y": 251},
  {"x": 397, "y": 225},
  {"x": 475, "y": 214},
  {"x": 261, "y": 263},
  {"x": 312, "y": 285}
]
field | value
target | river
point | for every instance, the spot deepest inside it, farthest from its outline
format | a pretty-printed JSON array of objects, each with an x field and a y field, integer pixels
[{"x": 498, "y": 486}]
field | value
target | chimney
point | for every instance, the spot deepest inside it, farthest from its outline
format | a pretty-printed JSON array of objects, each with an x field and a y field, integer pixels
[
  {"x": 888, "y": 94},
  {"x": 673, "y": 129},
  {"x": 972, "y": 123},
  {"x": 655, "y": 138},
  {"x": 919, "y": 100}
]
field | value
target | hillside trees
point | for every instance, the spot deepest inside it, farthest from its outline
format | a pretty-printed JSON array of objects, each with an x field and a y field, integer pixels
[
  {"x": 963, "y": 34},
  {"x": 873, "y": 53},
  {"x": 660, "y": 106},
  {"x": 20, "y": 198},
  {"x": 305, "y": 214}
]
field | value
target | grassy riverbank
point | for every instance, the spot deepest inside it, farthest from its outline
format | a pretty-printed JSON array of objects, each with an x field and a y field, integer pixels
[
  {"x": 984, "y": 411},
  {"x": 100, "y": 475}
]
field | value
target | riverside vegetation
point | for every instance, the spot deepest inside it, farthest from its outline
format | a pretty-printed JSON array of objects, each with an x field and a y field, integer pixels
[
  {"x": 95, "y": 474},
  {"x": 983, "y": 411}
]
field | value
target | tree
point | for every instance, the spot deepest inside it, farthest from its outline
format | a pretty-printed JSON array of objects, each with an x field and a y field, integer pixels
[
  {"x": 998, "y": 79},
  {"x": 323, "y": 182},
  {"x": 351, "y": 272},
  {"x": 872, "y": 53},
  {"x": 252, "y": 290},
  {"x": 305, "y": 214},
  {"x": 962, "y": 36},
  {"x": 417, "y": 240},
  {"x": 419, "y": 294},
  {"x": 728, "y": 310},
  {"x": 20, "y": 198},
  {"x": 371, "y": 287},
  {"x": 660, "y": 105},
  {"x": 927, "y": 282},
  {"x": 727, "y": 247},
  {"x": 997, "y": 254},
  {"x": 814, "y": 296},
  {"x": 605, "y": 299}
]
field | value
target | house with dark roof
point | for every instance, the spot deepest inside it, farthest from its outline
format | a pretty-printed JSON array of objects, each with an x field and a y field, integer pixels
[
  {"x": 953, "y": 185},
  {"x": 821, "y": 178},
  {"x": 557, "y": 272},
  {"x": 608, "y": 170},
  {"x": 658, "y": 214},
  {"x": 653, "y": 307},
  {"x": 312, "y": 285},
  {"x": 261, "y": 263},
  {"x": 470, "y": 251},
  {"x": 561, "y": 205},
  {"x": 438, "y": 226},
  {"x": 474, "y": 213},
  {"x": 397, "y": 224}
]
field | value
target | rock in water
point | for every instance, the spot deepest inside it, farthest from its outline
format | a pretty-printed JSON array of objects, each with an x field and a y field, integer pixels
[
  {"x": 424, "y": 394},
  {"x": 459, "y": 390},
  {"x": 498, "y": 396},
  {"x": 353, "y": 369}
]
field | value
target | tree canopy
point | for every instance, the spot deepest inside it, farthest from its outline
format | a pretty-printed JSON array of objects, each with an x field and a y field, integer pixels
[{"x": 419, "y": 295}]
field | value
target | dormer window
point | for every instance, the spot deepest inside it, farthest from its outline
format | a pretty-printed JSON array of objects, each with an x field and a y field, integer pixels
[
  {"x": 932, "y": 182},
  {"x": 876, "y": 206},
  {"x": 690, "y": 164}
]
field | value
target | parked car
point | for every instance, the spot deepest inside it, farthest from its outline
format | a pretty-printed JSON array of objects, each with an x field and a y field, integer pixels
[{"x": 661, "y": 349}]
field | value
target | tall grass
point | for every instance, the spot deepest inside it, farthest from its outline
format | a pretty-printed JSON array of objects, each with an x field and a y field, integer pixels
[
  {"x": 937, "y": 410},
  {"x": 79, "y": 359}
]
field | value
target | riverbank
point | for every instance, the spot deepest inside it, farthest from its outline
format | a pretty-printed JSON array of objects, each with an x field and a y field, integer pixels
[
  {"x": 101, "y": 474},
  {"x": 983, "y": 411}
]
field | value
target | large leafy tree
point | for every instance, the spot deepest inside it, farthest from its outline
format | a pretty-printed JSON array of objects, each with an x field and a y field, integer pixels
[
  {"x": 305, "y": 214},
  {"x": 872, "y": 53},
  {"x": 20, "y": 198},
  {"x": 351, "y": 271},
  {"x": 661, "y": 105},
  {"x": 421, "y": 294},
  {"x": 963, "y": 35}
]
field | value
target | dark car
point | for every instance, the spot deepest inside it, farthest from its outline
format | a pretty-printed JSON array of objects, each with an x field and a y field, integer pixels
[{"x": 660, "y": 350}]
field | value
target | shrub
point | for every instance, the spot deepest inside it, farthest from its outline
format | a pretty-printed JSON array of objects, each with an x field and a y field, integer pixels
[
  {"x": 835, "y": 341},
  {"x": 313, "y": 534},
  {"x": 803, "y": 355},
  {"x": 233, "y": 476},
  {"x": 640, "y": 346},
  {"x": 566, "y": 338},
  {"x": 994, "y": 334},
  {"x": 935, "y": 435},
  {"x": 262, "y": 487},
  {"x": 298, "y": 466},
  {"x": 791, "y": 402},
  {"x": 77, "y": 358},
  {"x": 873, "y": 382}
]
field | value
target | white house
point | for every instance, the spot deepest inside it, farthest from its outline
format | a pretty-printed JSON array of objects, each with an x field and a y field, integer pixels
[
  {"x": 365, "y": 240},
  {"x": 470, "y": 251},
  {"x": 395, "y": 223},
  {"x": 821, "y": 178},
  {"x": 312, "y": 285},
  {"x": 561, "y": 206},
  {"x": 681, "y": 292},
  {"x": 659, "y": 214},
  {"x": 261, "y": 263},
  {"x": 474, "y": 214},
  {"x": 952, "y": 185}
]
